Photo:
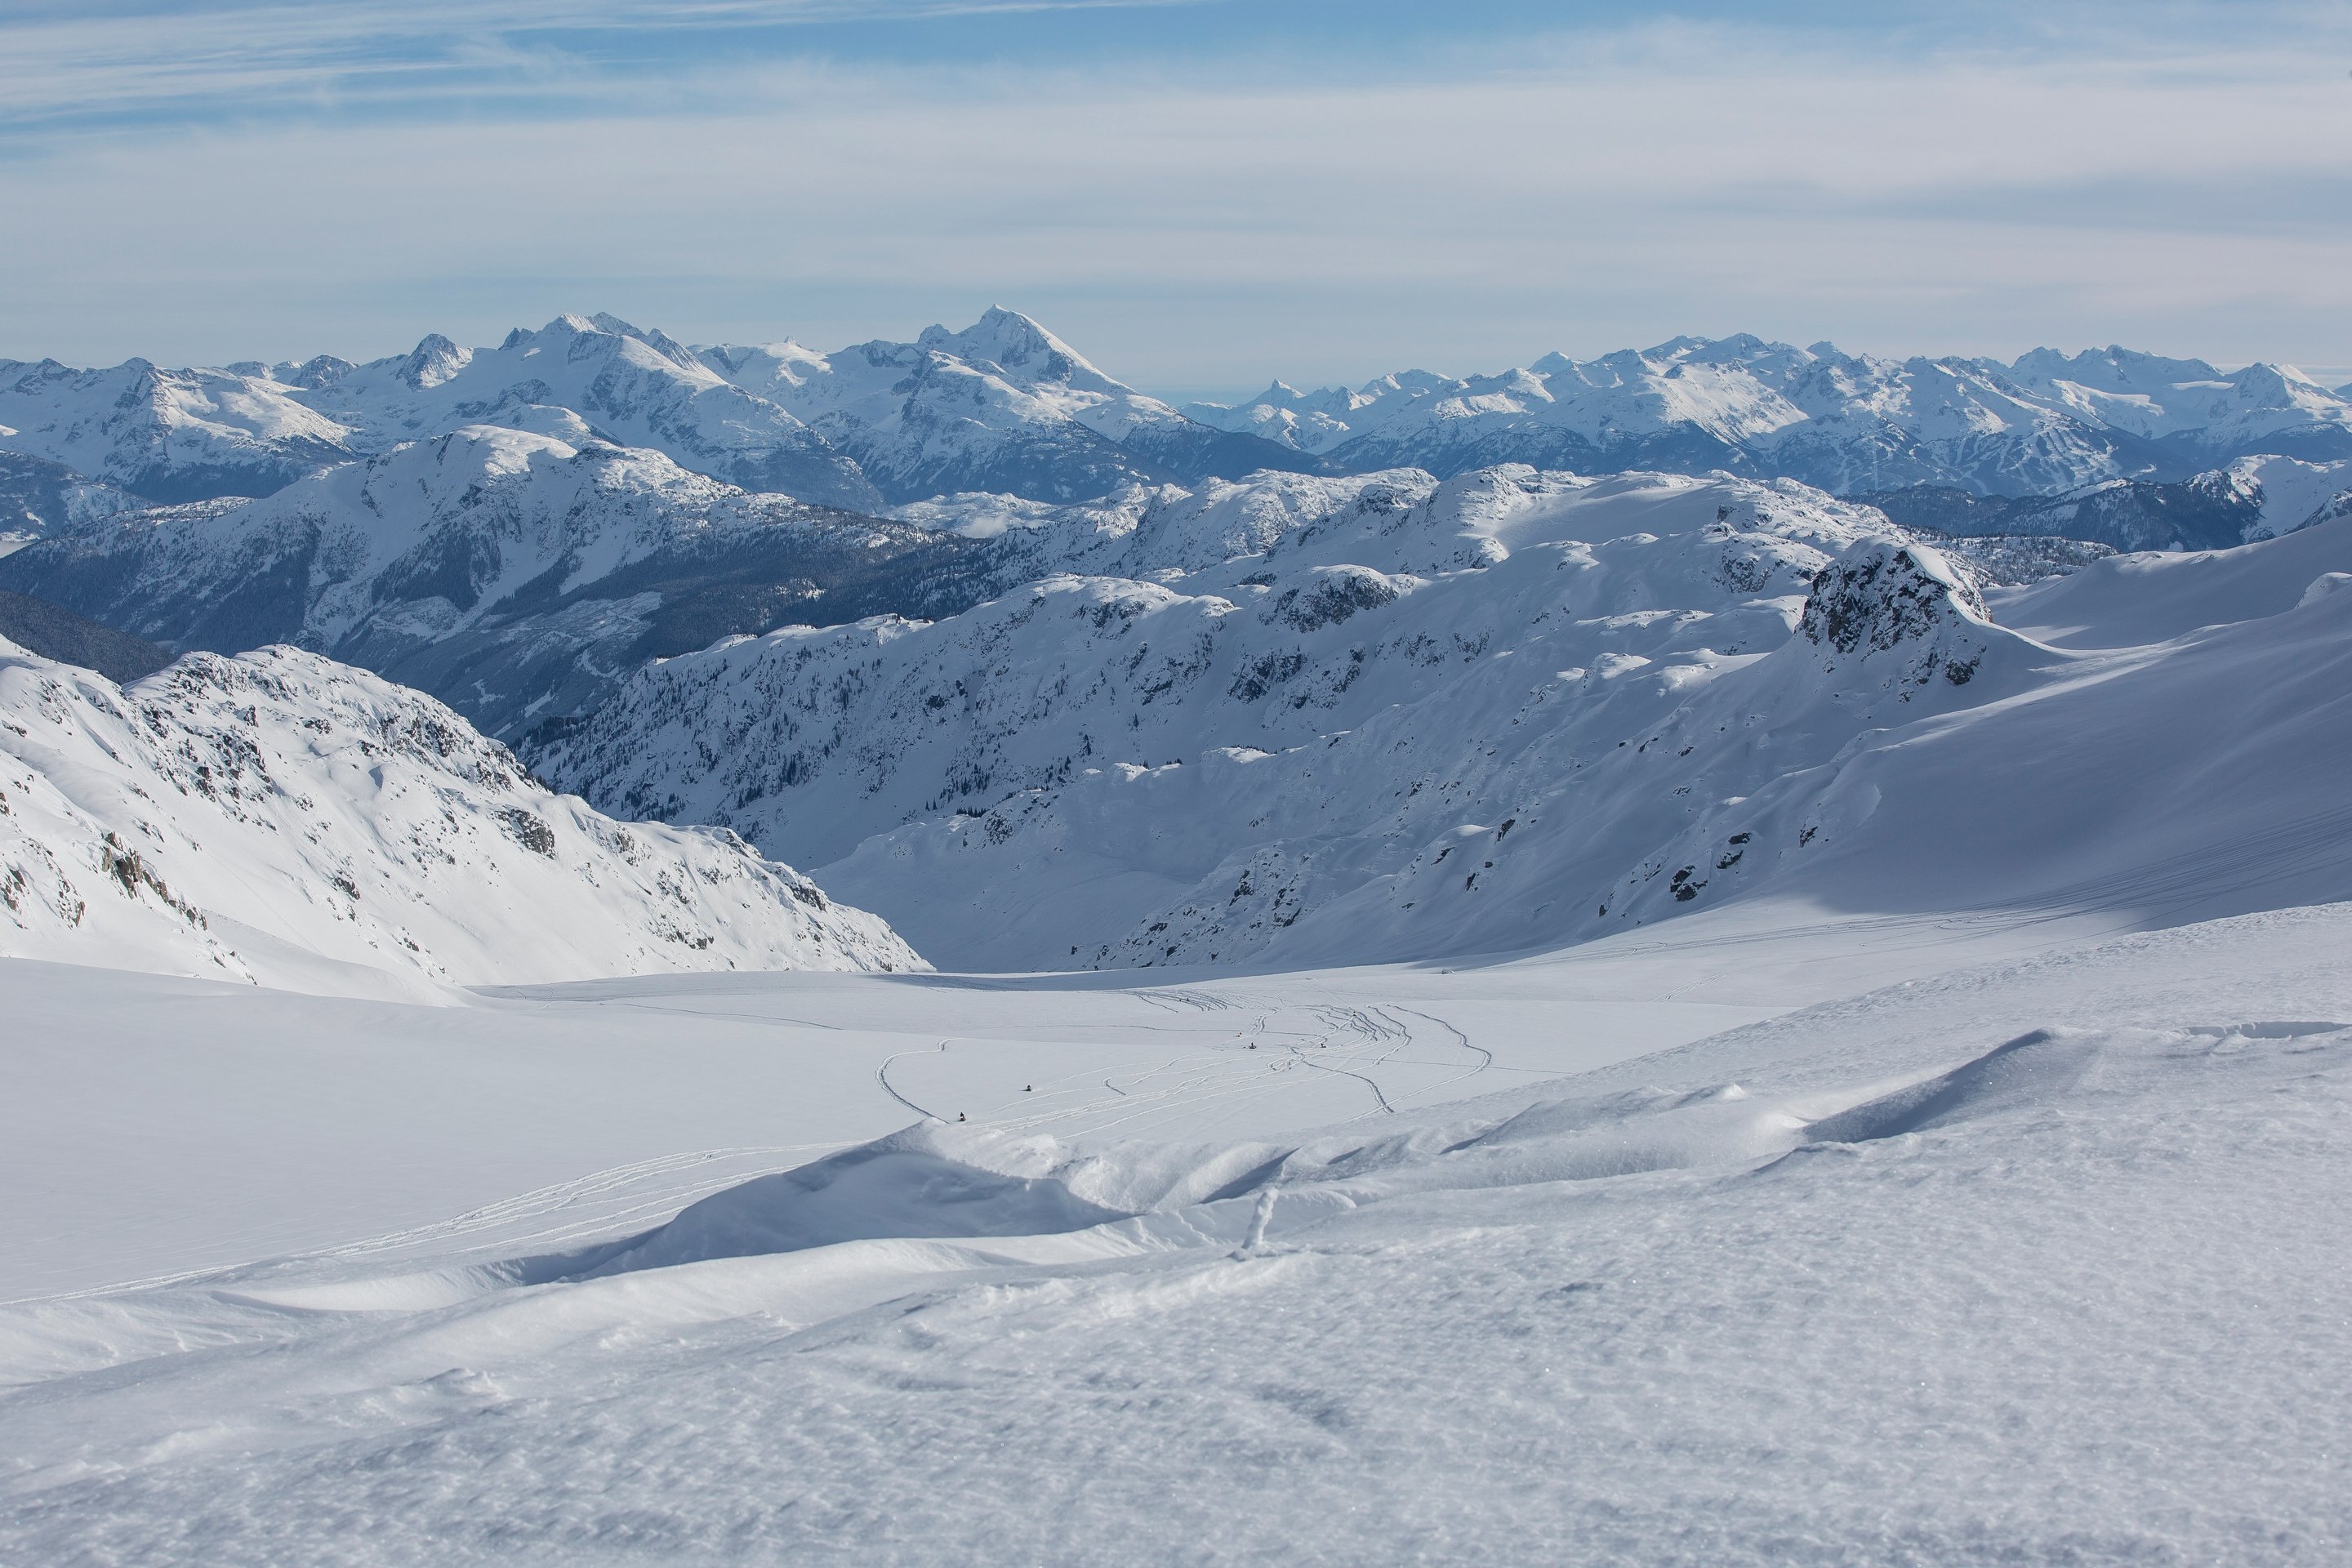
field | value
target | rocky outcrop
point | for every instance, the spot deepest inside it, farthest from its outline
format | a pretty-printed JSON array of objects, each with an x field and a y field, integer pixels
[{"x": 1884, "y": 598}]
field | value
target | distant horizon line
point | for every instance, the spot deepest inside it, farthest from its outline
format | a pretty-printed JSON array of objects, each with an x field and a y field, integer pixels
[{"x": 1222, "y": 393}]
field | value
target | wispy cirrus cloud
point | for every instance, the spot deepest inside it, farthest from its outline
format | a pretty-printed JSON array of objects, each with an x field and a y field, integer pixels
[
  {"x": 1202, "y": 194},
  {"x": 86, "y": 65}
]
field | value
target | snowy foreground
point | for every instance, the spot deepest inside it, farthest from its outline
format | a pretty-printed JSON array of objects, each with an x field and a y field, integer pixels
[{"x": 1910, "y": 1239}]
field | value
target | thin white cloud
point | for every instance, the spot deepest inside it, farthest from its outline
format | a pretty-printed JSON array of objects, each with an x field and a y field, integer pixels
[
  {"x": 1188, "y": 229},
  {"x": 226, "y": 58}
]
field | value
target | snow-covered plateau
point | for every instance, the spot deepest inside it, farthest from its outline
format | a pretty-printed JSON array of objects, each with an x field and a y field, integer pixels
[{"x": 1486, "y": 1011}]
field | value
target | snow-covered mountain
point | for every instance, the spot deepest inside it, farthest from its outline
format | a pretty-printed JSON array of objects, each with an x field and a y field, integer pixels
[
  {"x": 2288, "y": 493},
  {"x": 2046, "y": 422},
  {"x": 520, "y": 579},
  {"x": 165, "y": 434},
  {"x": 1867, "y": 1012},
  {"x": 1508, "y": 711},
  {"x": 1003, "y": 405},
  {"x": 2251, "y": 499},
  {"x": 39, "y": 496},
  {"x": 282, "y": 818},
  {"x": 515, "y": 575},
  {"x": 1264, "y": 722},
  {"x": 579, "y": 378}
]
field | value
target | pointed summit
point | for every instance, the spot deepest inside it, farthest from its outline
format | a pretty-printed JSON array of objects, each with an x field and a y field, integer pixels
[
  {"x": 434, "y": 361},
  {"x": 1025, "y": 350}
]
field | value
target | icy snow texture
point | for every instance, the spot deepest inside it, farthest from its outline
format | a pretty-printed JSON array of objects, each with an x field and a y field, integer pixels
[{"x": 282, "y": 818}]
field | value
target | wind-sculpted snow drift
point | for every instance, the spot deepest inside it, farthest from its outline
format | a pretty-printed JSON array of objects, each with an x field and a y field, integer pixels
[
  {"x": 1971, "y": 1267},
  {"x": 282, "y": 818}
]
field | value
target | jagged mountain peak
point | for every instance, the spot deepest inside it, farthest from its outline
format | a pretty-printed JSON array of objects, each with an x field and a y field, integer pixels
[
  {"x": 2112, "y": 369},
  {"x": 434, "y": 361},
  {"x": 1025, "y": 350},
  {"x": 318, "y": 370},
  {"x": 1883, "y": 592}
]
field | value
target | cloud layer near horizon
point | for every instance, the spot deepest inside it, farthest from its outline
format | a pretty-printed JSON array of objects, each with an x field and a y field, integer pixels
[{"x": 1192, "y": 219}]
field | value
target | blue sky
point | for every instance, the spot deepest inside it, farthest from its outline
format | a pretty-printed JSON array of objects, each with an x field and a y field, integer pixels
[{"x": 1200, "y": 194}]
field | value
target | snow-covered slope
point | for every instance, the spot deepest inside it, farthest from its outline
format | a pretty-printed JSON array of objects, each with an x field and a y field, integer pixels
[
  {"x": 2251, "y": 499},
  {"x": 515, "y": 575},
  {"x": 281, "y": 818},
  {"x": 1514, "y": 711},
  {"x": 1279, "y": 723},
  {"x": 38, "y": 497},
  {"x": 2288, "y": 493},
  {"x": 1846, "y": 422}
]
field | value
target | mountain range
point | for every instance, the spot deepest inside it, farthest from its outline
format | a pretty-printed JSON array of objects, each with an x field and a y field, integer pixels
[
  {"x": 513, "y": 573},
  {"x": 1005, "y": 406},
  {"x": 2043, "y": 423},
  {"x": 1002, "y": 405},
  {"x": 1505, "y": 709}
]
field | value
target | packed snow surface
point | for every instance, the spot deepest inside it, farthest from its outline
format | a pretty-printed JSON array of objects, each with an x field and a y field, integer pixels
[{"x": 2033, "y": 1259}]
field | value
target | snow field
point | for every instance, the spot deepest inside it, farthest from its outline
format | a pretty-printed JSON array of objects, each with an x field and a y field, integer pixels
[{"x": 2033, "y": 1260}]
